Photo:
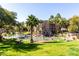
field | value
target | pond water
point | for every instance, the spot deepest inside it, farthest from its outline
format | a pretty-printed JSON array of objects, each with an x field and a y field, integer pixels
[
  {"x": 35, "y": 38},
  {"x": 21, "y": 36}
]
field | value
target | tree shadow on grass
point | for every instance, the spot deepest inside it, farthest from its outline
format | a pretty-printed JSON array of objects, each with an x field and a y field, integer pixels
[
  {"x": 26, "y": 47},
  {"x": 19, "y": 47}
]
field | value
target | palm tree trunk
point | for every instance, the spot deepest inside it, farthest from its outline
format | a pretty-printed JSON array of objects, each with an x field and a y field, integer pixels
[{"x": 31, "y": 41}]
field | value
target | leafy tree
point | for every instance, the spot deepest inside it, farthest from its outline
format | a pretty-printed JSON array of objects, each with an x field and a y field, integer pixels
[
  {"x": 51, "y": 19},
  {"x": 73, "y": 28},
  {"x": 59, "y": 21},
  {"x": 32, "y": 21},
  {"x": 64, "y": 23},
  {"x": 74, "y": 24},
  {"x": 74, "y": 20},
  {"x": 6, "y": 18}
]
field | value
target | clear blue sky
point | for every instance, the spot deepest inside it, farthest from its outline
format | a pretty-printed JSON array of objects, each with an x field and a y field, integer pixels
[{"x": 42, "y": 10}]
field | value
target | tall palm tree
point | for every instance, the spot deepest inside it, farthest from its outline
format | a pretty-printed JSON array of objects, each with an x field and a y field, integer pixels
[{"x": 32, "y": 21}]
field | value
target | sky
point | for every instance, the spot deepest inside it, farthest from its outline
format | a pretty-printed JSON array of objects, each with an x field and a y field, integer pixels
[{"x": 42, "y": 10}]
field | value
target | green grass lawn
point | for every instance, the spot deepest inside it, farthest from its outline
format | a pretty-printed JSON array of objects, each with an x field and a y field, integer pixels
[{"x": 10, "y": 48}]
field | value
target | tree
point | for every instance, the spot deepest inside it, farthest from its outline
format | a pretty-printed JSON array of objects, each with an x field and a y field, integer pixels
[
  {"x": 32, "y": 21},
  {"x": 57, "y": 21},
  {"x": 6, "y": 18},
  {"x": 74, "y": 24},
  {"x": 51, "y": 19},
  {"x": 64, "y": 23},
  {"x": 73, "y": 28}
]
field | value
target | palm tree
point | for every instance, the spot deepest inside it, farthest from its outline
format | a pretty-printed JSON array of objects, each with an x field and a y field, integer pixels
[{"x": 32, "y": 21}]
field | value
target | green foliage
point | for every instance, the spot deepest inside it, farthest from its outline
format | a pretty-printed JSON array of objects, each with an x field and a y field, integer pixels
[
  {"x": 64, "y": 23},
  {"x": 74, "y": 24},
  {"x": 74, "y": 20},
  {"x": 7, "y": 17},
  {"x": 32, "y": 20},
  {"x": 57, "y": 19},
  {"x": 59, "y": 22},
  {"x": 73, "y": 28}
]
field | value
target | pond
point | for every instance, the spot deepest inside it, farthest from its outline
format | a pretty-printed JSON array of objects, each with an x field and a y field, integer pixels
[
  {"x": 35, "y": 38},
  {"x": 17, "y": 36}
]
